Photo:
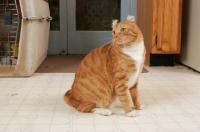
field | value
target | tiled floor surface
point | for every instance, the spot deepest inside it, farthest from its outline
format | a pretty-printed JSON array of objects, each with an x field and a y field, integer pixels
[{"x": 35, "y": 104}]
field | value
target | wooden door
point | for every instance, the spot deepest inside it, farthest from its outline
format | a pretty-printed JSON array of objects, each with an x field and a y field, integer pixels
[{"x": 167, "y": 26}]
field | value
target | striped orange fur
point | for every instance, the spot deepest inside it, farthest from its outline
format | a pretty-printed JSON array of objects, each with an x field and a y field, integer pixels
[{"x": 110, "y": 72}]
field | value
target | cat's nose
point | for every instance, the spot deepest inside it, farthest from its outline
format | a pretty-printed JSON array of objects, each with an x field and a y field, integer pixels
[{"x": 116, "y": 36}]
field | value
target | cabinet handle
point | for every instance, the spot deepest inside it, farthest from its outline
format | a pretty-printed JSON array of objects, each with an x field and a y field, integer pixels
[
  {"x": 156, "y": 40},
  {"x": 158, "y": 44}
]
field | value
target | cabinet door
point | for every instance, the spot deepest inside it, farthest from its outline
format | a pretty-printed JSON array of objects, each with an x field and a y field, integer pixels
[{"x": 167, "y": 26}]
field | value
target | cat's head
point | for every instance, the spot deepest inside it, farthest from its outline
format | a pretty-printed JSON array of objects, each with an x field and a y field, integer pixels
[{"x": 126, "y": 33}]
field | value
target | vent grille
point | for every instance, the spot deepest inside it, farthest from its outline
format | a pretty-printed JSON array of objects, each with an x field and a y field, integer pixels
[{"x": 10, "y": 24}]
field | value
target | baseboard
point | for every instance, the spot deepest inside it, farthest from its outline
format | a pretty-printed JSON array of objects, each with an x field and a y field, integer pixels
[
  {"x": 178, "y": 62},
  {"x": 162, "y": 60}
]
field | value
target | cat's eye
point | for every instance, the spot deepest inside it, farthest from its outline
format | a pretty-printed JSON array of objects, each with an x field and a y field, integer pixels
[
  {"x": 113, "y": 31},
  {"x": 123, "y": 29}
]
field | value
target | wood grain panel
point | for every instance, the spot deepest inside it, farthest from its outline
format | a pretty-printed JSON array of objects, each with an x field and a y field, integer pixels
[
  {"x": 160, "y": 22},
  {"x": 176, "y": 26},
  {"x": 167, "y": 23},
  {"x": 160, "y": 19},
  {"x": 154, "y": 30},
  {"x": 168, "y": 14},
  {"x": 145, "y": 22}
]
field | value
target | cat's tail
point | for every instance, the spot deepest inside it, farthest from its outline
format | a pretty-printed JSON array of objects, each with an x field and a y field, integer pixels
[{"x": 70, "y": 100}]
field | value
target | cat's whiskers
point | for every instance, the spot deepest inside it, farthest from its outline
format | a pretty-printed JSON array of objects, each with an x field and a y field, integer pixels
[
  {"x": 109, "y": 48},
  {"x": 123, "y": 43},
  {"x": 110, "y": 40},
  {"x": 105, "y": 39}
]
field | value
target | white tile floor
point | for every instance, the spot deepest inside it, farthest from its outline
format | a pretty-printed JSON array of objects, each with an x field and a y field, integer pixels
[{"x": 35, "y": 104}]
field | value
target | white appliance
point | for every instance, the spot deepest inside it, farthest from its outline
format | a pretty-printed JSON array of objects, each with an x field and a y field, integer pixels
[{"x": 190, "y": 51}]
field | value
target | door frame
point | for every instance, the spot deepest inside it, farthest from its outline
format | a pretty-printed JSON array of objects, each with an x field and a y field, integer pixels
[{"x": 58, "y": 39}]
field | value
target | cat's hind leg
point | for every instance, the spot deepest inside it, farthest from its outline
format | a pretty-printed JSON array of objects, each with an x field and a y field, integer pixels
[
  {"x": 102, "y": 111},
  {"x": 70, "y": 100},
  {"x": 86, "y": 107},
  {"x": 90, "y": 107},
  {"x": 80, "y": 106}
]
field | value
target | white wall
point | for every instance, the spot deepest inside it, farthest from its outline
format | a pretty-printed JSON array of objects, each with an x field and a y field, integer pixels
[{"x": 190, "y": 51}]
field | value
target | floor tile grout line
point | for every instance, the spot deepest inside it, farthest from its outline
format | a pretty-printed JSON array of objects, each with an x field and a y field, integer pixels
[
  {"x": 155, "y": 122},
  {"x": 164, "y": 110},
  {"x": 181, "y": 109},
  {"x": 188, "y": 115},
  {"x": 115, "y": 123},
  {"x": 72, "y": 110},
  {"x": 10, "y": 95},
  {"x": 17, "y": 109},
  {"x": 178, "y": 108},
  {"x": 56, "y": 102},
  {"x": 93, "y": 122},
  {"x": 152, "y": 118},
  {"x": 73, "y": 120},
  {"x": 72, "y": 113},
  {"x": 38, "y": 106},
  {"x": 54, "y": 109},
  {"x": 189, "y": 101}
]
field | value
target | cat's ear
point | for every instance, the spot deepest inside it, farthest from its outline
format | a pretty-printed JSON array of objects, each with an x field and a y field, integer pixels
[
  {"x": 114, "y": 22},
  {"x": 131, "y": 19}
]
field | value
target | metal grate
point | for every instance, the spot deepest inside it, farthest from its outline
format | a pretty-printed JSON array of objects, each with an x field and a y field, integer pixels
[
  {"x": 96, "y": 15},
  {"x": 10, "y": 24}
]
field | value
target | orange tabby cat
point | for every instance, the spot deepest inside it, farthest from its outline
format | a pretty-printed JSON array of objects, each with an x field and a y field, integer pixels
[{"x": 110, "y": 72}]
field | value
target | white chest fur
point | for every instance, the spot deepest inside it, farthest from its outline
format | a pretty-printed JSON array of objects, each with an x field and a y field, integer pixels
[{"x": 135, "y": 51}]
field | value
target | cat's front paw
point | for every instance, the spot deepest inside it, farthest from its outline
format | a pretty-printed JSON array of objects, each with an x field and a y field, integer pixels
[
  {"x": 132, "y": 114},
  {"x": 142, "y": 106},
  {"x": 102, "y": 111}
]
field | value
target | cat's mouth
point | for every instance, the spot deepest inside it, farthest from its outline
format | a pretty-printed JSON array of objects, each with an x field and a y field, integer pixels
[
  {"x": 117, "y": 41},
  {"x": 120, "y": 41}
]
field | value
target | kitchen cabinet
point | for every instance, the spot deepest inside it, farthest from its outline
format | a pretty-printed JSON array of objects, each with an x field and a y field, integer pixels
[{"x": 160, "y": 22}]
